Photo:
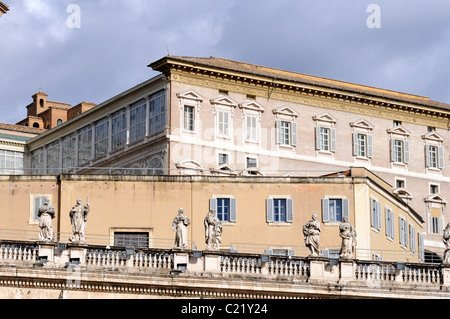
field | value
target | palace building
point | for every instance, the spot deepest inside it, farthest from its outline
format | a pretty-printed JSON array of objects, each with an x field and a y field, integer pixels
[{"x": 223, "y": 118}]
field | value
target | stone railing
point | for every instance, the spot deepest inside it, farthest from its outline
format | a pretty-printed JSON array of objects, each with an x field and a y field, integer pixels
[{"x": 220, "y": 264}]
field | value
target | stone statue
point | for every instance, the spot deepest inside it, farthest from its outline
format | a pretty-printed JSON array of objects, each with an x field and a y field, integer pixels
[
  {"x": 78, "y": 218},
  {"x": 179, "y": 225},
  {"x": 312, "y": 231},
  {"x": 446, "y": 239},
  {"x": 213, "y": 231},
  {"x": 348, "y": 235},
  {"x": 46, "y": 213}
]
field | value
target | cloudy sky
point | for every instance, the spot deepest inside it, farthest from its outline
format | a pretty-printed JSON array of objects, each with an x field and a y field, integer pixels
[{"x": 91, "y": 50}]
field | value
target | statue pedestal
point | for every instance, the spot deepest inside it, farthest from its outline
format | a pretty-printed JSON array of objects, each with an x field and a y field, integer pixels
[
  {"x": 211, "y": 261},
  {"x": 77, "y": 254},
  {"x": 46, "y": 252},
  {"x": 347, "y": 270},
  {"x": 446, "y": 274},
  {"x": 180, "y": 259}
]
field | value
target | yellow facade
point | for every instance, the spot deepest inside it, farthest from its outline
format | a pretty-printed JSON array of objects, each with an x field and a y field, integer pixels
[{"x": 146, "y": 204}]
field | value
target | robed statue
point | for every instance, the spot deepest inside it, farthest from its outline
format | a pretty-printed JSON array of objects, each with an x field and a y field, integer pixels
[
  {"x": 213, "y": 231},
  {"x": 311, "y": 231},
  {"x": 78, "y": 218},
  {"x": 179, "y": 225},
  {"x": 46, "y": 213},
  {"x": 348, "y": 234}
]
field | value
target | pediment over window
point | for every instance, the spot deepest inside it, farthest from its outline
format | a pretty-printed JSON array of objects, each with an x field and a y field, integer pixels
[
  {"x": 398, "y": 130},
  {"x": 324, "y": 117},
  {"x": 190, "y": 95},
  {"x": 224, "y": 169},
  {"x": 251, "y": 105},
  {"x": 284, "y": 110},
  {"x": 403, "y": 193},
  {"x": 362, "y": 124},
  {"x": 189, "y": 164},
  {"x": 433, "y": 136},
  {"x": 435, "y": 198},
  {"x": 224, "y": 100}
]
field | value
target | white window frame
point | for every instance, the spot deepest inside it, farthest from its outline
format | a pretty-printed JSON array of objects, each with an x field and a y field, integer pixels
[
  {"x": 270, "y": 210},
  {"x": 362, "y": 140},
  {"x": 325, "y": 133},
  {"x": 233, "y": 207},
  {"x": 375, "y": 214},
  {"x": 327, "y": 216},
  {"x": 192, "y": 99}
]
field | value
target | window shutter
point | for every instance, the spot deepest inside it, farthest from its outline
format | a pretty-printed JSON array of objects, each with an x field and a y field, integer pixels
[
  {"x": 289, "y": 210},
  {"x": 325, "y": 210},
  {"x": 333, "y": 140},
  {"x": 369, "y": 145},
  {"x": 392, "y": 142},
  {"x": 294, "y": 138},
  {"x": 421, "y": 248},
  {"x": 277, "y": 131},
  {"x": 427, "y": 155},
  {"x": 388, "y": 222},
  {"x": 440, "y": 226},
  {"x": 378, "y": 215},
  {"x": 213, "y": 204},
  {"x": 355, "y": 144},
  {"x": 392, "y": 225},
  {"x": 269, "y": 210},
  {"x": 317, "y": 138},
  {"x": 345, "y": 208},
  {"x": 401, "y": 230},
  {"x": 440, "y": 157},
  {"x": 233, "y": 210},
  {"x": 406, "y": 152}
]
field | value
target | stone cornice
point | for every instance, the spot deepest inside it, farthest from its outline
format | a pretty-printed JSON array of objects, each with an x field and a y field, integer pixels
[{"x": 420, "y": 112}]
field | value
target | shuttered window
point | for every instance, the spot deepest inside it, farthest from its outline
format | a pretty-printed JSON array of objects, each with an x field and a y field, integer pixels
[
  {"x": 403, "y": 231},
  {"x": 363, "y": 145},
  {"x": 334, "y": 210},
  {"x": 279, "y": 210},
  {"x": 434, "y": 156},
  {"x": 326, "y": 139},
  {"x": 390, "y": 230},
  {"x": 375, "y": 214},
  {"x": 286, "y": 133},
  {"x": 225, "y": 208}
]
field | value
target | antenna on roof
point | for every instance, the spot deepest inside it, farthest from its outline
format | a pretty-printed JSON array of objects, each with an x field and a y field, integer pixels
[{"x": 168, "y": 53}]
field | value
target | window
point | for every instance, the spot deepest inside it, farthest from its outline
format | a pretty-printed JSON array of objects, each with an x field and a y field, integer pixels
[
  {"x": 400, "y": 183},
  {"x": 223, "y": 123},
  {"x": 119, "y": 129},
  {"x": 397, "y": 151},
  {"x": 53, "y": 153},
  {"x": 421, "y": 247},
  {"x": 389, "y": 223},
  {"x": 11, "y": 163},
  {"x": 225, "y": 208},
  {"x": 84, "y": 145},
  {"x": 223, "y": 159},
  {"x": 403, "y": 231},
  {"x": 375, "y": 214},
  {"x": 279, "y": 210},
  {"x": 334, "y": 209},
  {"x": 189, "y": 118},
  {"x": 37, "y": 161},
  {"x": 38, "y": 201},
  {"x": 436, "y": 225},
  {"x": 286, "y": 133},
  {"x": 397, "y": 123},
  {"x": 157, "y": 116},
  {"x": 131, "y": 239},
  {"x": 362, "y": 145},
  {"x": 68, "y": 151},
  {"x": 326, "y": 139},
  {"x": 59, "y": 122},
  {"x": 434, "y": 156},
  {"x": 101, "y": 137},
  {"x": 137, "y": 121},
  {"x": 412, "y": 239},
  {"x": 251, "y": 162},
  {"x": 251, "y": 129},
  {"x": 434, "y": 189}
]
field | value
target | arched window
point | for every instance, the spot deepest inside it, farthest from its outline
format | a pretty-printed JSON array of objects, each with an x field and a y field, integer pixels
[
  {"x": 59, "y": 122},
  {"x": 36, "y": 125}
]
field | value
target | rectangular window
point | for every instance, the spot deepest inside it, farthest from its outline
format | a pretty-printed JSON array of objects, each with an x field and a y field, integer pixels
[
  {"x": 436, "y": 225},
  {"x": 280, "y": 210},
  {"x": 362, "y": 145},
  {"x": 334, "y": 209},
  {"x": 251, "y": 162},
  {"x": 11, "y": 163},
  {"x": 101, "y": 137},
  {"x": 37, "y": 162},
  {"x": 189, "y": 118},
  {"x": 137, "y": 121},
  {"x": 403, "y": 231},
  {"x": 435, "y": 156},
  {"x": 131, "y": 239},
  {"x": 68, "y": 151},
  {"x": 375, "y": 214},
  {"x": 119, "y": 129},
  {"x": 157, "y": 112},
  {"x": 398, "y": 151},
  {"x": 285, "y": 133},
  {"x": 223, "y": 159},
  {"x": 223, "y": 123},
  {"x": 389, "y": 223},
  {"x": 84, "y": 145},
  {"x": 324, "y": 139},
  {"x": 434, "y": 189},
  {"x": 37, "y": 203},
  {"x": 251, "y": 129},
  {"x": 225, "y": 208},
  {"x": 53, "y": 153},
  {"x": 412, "y": 239}
]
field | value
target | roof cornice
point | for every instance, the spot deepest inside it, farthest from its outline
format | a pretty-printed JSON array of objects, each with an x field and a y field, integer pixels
[{"x": 3, "y": 8}]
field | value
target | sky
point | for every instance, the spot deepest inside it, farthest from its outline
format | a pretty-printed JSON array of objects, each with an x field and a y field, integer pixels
[{"x": 92, "y": 50}]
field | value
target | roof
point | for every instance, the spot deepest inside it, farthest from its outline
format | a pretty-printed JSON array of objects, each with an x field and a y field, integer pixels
[
  {"x": 3, "y": 7},
  {"x": 277, "y": 74},
  {"x": 21, "y": 128}
]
